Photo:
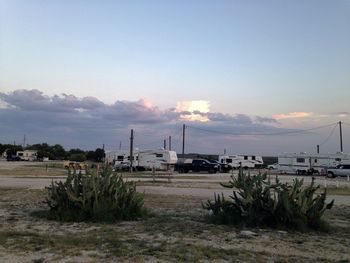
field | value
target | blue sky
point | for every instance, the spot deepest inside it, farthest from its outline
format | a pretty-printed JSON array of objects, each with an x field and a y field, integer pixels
[{"x": 284, "y": 60}]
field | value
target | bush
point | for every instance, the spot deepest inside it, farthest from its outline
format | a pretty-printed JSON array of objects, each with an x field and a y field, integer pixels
[
  {"x": 96, "y": 196},
  {"x": 259, "y": 202}
]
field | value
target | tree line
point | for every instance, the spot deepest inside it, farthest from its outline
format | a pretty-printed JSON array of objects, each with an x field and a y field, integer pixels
[{"x": 55, "y": 152}]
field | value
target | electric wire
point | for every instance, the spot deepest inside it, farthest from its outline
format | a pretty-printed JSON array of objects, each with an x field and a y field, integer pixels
[
  {"x": 262, "y": 134},
  {"x": 329, "y": 136}
]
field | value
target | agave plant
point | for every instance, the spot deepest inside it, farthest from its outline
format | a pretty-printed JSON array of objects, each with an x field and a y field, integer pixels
[
  {"x": 97, "y": 196},
  {"x": 257, "y": 201}
]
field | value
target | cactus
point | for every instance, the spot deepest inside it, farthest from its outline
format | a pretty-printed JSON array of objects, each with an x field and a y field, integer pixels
[
  {"x": 96, "y": 196},
  {"x": 260, "y": 202}
]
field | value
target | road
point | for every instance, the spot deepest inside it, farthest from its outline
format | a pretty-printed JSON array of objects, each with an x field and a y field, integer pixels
[{"x": 42, "y": 182}]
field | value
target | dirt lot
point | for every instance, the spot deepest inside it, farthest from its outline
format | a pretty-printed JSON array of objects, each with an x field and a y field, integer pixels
[{"x": 176, "y": 231}]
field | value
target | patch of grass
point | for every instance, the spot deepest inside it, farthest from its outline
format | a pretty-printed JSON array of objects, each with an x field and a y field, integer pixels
[
  {"x": 68, "y": 244},
  {"x": 336, "y": 190}
]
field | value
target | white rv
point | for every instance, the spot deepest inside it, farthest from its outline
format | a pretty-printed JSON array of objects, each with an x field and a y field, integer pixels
[
  {"x": 159, "y": 159},
  {"x": 304, "y": 163},
  {"x": 27, "y": 155},
  {"x": 246, "y": 161},
  {"x": 144, "y": 159},
  {"x": 117, "y": 157}
]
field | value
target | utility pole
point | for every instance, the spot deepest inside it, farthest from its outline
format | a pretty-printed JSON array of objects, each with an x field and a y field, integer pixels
[
  {"x": 24, "y": 141},
  {"x": 224, "y": 151},
  {"x": 169, "y": 143},
  {"x": 131, "y": 148},
  {"x": 103, "y": 148},
  {"x": 318, "y": 149},
  {"x": 341, "y": 137},
  {"x": 183, "y": 140},
  {"x": 120, "y": 145},
  {"x": 164, "y": 145}
]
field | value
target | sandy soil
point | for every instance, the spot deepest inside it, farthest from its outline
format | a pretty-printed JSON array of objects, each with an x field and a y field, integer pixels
[{"x": 175, "y": 232}]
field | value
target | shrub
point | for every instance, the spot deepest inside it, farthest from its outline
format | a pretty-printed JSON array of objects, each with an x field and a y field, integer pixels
[
  {"x": 260, "y": 202},
  {"x": 96, "y": 196}
]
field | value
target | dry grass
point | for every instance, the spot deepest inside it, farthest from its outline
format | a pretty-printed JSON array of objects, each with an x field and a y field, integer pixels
[{"x": 174, "y": 232}]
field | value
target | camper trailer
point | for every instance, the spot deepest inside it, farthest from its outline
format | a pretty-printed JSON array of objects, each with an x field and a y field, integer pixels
[
  {"x": 246, "y": 161},
  {"x": 144, "y": 159},
  {"x": 304, "y": 163},
  {"x": 27, "y": 155},
  {"x": 159, "y": 159},
  {"x": 115, "y": 158}
]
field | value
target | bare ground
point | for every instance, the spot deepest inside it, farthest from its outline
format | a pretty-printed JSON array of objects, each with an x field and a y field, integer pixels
[{"x": 174, "y": 232}]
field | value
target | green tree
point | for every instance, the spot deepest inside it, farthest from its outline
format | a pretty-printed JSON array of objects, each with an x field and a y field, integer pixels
[{"x": 99, "y": 155}]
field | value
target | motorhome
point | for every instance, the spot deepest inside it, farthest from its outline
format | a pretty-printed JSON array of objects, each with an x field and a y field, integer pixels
[
  {"x": 159, "y": 159},
  {"x": 246, "y": 161},
  {"x": 27, "y": 155},
  {"x": 115, "y": 158},
  {"x": 304, "y": 163},
  {"x": 144, "y": 159}
]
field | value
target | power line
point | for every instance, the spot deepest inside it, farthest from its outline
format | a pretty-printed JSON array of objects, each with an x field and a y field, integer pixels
[
  {"x": 262, "y": 134},
  {"x": 330, "y": 135}
]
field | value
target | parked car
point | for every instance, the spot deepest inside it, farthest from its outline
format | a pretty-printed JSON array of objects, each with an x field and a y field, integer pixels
[
  {"x": 339, "y": 170},
  {"x": 197, "y": 165},
  {"x": 13, "y": 158},
  {"x": 272, "y": 166},
  {"x": 223, "y": 167},
  {"x": 122, "y": 166}
]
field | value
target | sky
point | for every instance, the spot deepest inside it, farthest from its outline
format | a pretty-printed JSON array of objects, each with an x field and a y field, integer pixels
[{"x": 245, "y": 76}]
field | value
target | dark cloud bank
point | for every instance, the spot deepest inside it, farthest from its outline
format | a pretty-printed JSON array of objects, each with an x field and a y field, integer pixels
[{"x": 88, "y": 122}]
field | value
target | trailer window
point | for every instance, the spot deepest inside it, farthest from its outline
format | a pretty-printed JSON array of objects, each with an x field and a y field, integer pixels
[
  {"x": 120, "y": 158},
  {"x": 229, "y": 160},
  {"x": 245, "y": 157},
  {"x": 338, "y": 159},
  {"x": 253, "y": 157},
  {"x": 159, "y": 155},
  {"x": 300, "y": 160}
]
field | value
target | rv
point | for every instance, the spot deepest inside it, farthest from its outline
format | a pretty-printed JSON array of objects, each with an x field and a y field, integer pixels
[
  {"x": 246, "y": 161},
  {"x": 27, "y": 155},
  {"x": 115, "y": 158},
  {"x": 304, "y": 163},
  {"x": 158, "y": 159},
  {"x": 144, "y": 159}
]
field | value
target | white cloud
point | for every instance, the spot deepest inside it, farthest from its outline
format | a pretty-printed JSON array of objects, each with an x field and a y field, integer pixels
[
  {"x": 194, "y": 110},
  {"x": 293, "y": 115}
]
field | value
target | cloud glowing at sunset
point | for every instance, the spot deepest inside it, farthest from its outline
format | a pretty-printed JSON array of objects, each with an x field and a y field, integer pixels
[
  {"x": 292, "y": 115},
  {"x": 192, "y": 110}
]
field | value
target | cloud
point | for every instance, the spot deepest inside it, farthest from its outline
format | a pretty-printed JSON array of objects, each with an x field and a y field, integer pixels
[
  {"x": 293, "y": 115},
  {"x": 265, "y": 119},
  {"x": 342, "y": 114},
  {"x": 193, "y": 110},
  {"x": 88, "y": 122}
]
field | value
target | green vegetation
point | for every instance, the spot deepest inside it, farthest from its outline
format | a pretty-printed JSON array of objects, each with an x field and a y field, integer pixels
[
  {"x": 96, "y": 196},
  {"x": 55, "y": 152},
  {"x": 260, "y": 202}
]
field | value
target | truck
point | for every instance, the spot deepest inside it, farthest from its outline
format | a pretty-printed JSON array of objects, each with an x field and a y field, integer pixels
[
  {"x": 305, "y": 163},
  {"x": 196, "y": 165},
  {"x": 340, "y": 170},
  {"x": 246, "y": 161}
]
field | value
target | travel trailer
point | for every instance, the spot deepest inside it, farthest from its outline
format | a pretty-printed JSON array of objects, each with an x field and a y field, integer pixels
[
  {"x": 27, "y": 155},
  {"x": 115, "y": 158},
  {"x": 246, "y": 161},
  {"x": 304, "y": 163},
  {"x": 159, "y": 159},
  {"x": 144, "y": 159}
]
